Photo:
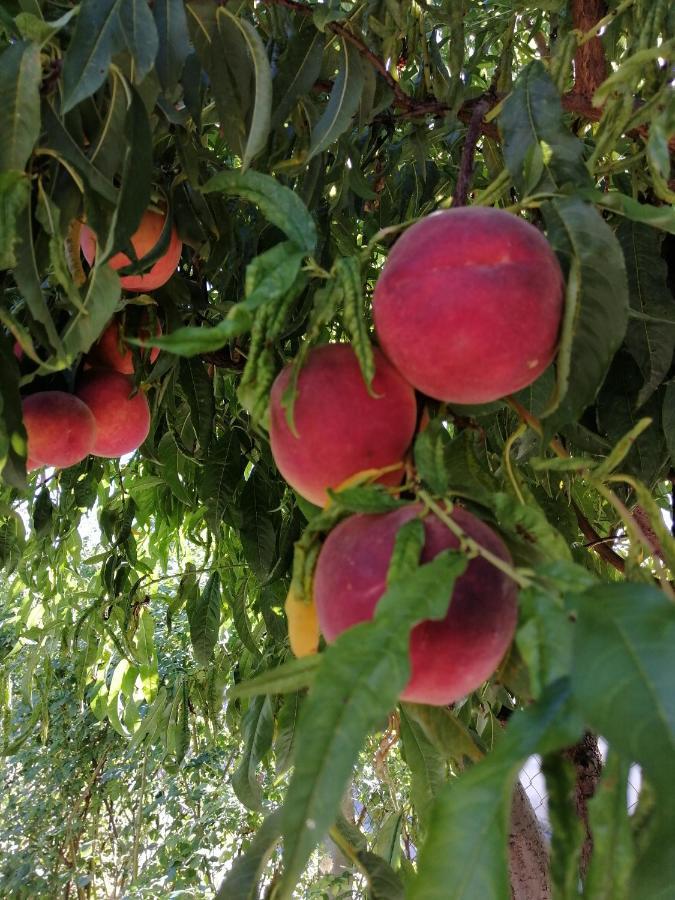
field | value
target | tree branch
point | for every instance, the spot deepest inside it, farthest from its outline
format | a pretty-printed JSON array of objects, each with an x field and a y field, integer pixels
[
  {"x": 466, "y": 163},
  {"x": 597, "y": 543}
]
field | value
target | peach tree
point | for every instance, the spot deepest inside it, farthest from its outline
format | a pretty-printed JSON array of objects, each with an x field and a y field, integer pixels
[{"x": 327, "y": 328}]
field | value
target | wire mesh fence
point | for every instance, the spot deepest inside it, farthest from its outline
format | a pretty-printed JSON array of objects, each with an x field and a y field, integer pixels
[{"x": 533, "y": 781}]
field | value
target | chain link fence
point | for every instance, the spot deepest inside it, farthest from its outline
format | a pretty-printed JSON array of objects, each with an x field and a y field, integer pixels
[{"x": 533, "y": 781}]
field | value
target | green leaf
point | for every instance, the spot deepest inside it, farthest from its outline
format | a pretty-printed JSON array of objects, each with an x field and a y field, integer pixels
[
  {"x": 298, "y": 71},
  {"x": 465, "y": 853},
  {"x": 20, "y": 77},
  {"x": 28, "y": 279},
  {"x": 136, "y": 184},
  {"x": 568, "y": 831},
  {"x": 204, "y": 620},
  {"x": 527, "y": 524},
  {"x": 662, "y": 217},
  {"x": 284, "y": 679},
  {"x": 220, "y": 477},
  {"x": 241, "y": 881},
  {"x": 430, "y": 448},
  {"x": 540, "y": 153},
  {"x": 12, "y": 431},
  {"x": 96, "y": 38},
  {"x": 623, "y": 660},
  {"x": 544, "y": 636},
  {"x": 59, "y": 139},
  {"x": 287, "y": 729},
  {"x": 596, "y": 310},
  {"x": 258, "y": 533},
  {"x": 348, "y": 274},
  {"x": 14, "y": 195},
  {"x": 281, "y": 206},
  {"x": 426, "y": 764},
  {"x": 448, "y": 735},
  {"x": 257, "y": 728},
  {"x": 361, "y": 675},
  {"x": 650, "y": 344},
  {"x": 198, "y": 390},
  {"x": 262, "y": 101},
  {"x": 611, "y": 864},
  {"x": 271, "y": 275},
  {"x": 174, "y": 42},
  {"x": 343, "y": 104},
  {"x": 139, "y": 33},
  {"x": 192, "y": 340},
  {"x": 97, "y": 307},
  {"x": 366, "y": 499},
  {"x": 146, "y": 654}
]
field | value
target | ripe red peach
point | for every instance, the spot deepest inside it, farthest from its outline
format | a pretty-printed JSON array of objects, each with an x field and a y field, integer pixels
[
  {"x": 451, "y": 657},
  {"x": 341, "y": 429},
  {"x": 469, "y": 303},
  {"x": 112, "y": 352},
  {"x": 146, "y": 237},
  {"x": 61, "y": 429},
  {"x": 122, "y": 421}
]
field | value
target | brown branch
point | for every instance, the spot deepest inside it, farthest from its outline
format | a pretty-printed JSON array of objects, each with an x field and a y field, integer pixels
[
  {"x": 465, "y": 173},
  {"x": 577, "y": 101},
  {"x": 598, "y": 543}
]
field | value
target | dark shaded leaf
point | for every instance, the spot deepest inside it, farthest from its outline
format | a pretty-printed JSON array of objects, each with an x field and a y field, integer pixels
[
  {"x": 281, "y": 206},
  {"x": 291, "y": 676},
  {"x": 20, "y": 76},
  {"x": 596, "y": 313},
  {"x": 650, "y": 344},
  {"x": 540, "y": 153},
  {"x": 257, "y": 728},
  {"x": 204, "y": 620},
  {"x": 343, "y": 104}
]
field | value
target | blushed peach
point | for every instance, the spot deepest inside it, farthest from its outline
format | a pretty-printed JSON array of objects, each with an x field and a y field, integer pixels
[
  {"x": 146, "y": 237},
  {"x": 469, "y": 303},
  {"x": 341, "y": 429},
  {"x": 122, "y": 420},
  {"x": 451, "y": 657},
  {"x": 112, "y": 352},
  {"x": 61, "y": 429}
]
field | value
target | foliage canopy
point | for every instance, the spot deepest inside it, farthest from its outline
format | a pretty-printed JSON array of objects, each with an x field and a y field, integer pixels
[{"x": 156, "y": 731}]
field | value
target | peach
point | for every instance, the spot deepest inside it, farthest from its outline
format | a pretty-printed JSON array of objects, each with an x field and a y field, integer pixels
[
  {"x": 112, "y": 352},
  {"x": 145, "y": 238},
  {"x": 61, "y": 429},
  {"x": 341, "y": 429},
  {"x": 451, "y": 657},
  {"x": 469, "y": 303},
  {"x": 122, "y": 421}
]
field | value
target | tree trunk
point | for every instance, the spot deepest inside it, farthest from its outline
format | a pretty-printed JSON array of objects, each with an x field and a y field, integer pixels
[
  {"x": 587, "y": 762},
  {"x": 528, "y": 851},
  {"x": 590, "y": 66}
]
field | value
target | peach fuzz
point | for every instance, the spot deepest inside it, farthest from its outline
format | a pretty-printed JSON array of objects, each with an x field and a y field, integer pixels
[
  {"x": 451, "y": 657},
  {"x": 61, "y": 429},
  {"x": 122, "y": 421},
  {"x": 146, "y": 237},
  {"x": 469, "y": 304},
  {"x": 112, "y": 352},
  {"x": 341, "y": 429}
]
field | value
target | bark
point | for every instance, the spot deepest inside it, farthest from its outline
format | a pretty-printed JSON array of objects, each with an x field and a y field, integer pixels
[
  {"x": 587, "y": 762},
  {"x": 528, "y": 851},
  {"x": 590, "y": 66}
]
